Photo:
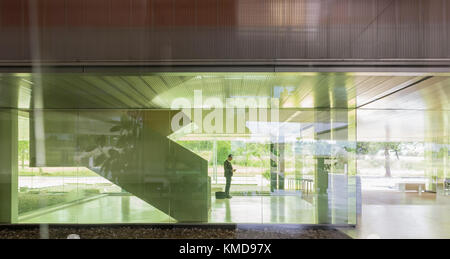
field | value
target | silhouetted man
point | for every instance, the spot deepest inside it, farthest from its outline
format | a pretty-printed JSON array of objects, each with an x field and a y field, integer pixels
[{"x": 228, "y": 174}]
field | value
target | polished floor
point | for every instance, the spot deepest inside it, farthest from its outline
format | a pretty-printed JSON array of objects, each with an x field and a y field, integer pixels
[
  {"x": 393, "y": 214},
  {"x": 130, "y": 209},
  {"x": 384, "y": 214},
  {"x": 108, "y": 209},
  {"x": 262, "y": 209}
]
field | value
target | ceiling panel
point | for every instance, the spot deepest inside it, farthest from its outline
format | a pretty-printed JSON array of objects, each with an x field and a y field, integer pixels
[
  {"x": 430, "y": 94},
  {"x": 403, "y": 125},
  {"x": 160, "y": 90}
]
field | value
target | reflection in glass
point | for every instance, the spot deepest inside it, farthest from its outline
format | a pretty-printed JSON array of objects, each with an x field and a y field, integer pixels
[
  {"x": 132, "y": 162},
  {"x": 299, "y": 148}
]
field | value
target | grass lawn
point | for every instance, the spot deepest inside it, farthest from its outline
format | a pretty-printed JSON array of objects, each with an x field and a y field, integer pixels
[{"x": 56, "y": 171}]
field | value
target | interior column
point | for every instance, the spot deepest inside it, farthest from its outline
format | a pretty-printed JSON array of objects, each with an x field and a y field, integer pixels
[{"x": 8, "y": 166}]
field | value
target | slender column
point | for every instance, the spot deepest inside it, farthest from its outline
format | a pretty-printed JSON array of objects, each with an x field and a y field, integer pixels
[
  {"x": 281, "y": 159},
  {"x": 273, "y": 166},
  {"x": 341, "y": 187},
  {"x": 8, "y": 166},
  {"x": 322, "y": 156},
  {"x": 323, "y": 214},
  {"x": 215, "y": 161}
]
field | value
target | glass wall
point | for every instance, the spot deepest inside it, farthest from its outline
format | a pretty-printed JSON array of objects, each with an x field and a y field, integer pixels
[
  {"x": 150, "y": 148},
  {"x": 127, "y": 166}
]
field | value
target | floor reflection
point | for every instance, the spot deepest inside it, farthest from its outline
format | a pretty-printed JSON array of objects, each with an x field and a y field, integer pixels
[
  {"x": 129, "y": 209},
  {"x": 385, "y": 214},
  {"x": 107, "y": 209},
  {"x": 393, "y": 214},
  {"x": 262, "y": 209}
]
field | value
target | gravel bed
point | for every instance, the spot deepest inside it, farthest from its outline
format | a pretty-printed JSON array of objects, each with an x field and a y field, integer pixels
[{"x": 86, "y": 232}]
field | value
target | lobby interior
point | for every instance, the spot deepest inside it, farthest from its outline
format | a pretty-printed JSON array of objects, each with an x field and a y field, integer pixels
[{"x": 365, "y": 152}]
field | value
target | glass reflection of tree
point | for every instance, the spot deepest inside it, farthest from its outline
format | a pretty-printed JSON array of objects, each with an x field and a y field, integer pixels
[
  {"x": 364, "y": 148},
  {"x": 115, "y": 154}
]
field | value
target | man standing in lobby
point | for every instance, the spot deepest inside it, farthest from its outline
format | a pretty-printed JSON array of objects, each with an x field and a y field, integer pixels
[{"x": 228, "y": 168}]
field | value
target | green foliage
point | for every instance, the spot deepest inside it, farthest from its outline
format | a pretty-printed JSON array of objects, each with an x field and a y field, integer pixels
[
  {"x": 34, "y": 200},
  {"x": 91, "y": 191},
  {"x": 24, "y": 153},
  {"x": 251, "y": 151},
  {"x": 267, "y": 175},
  {"x": 80, "y": 172},
  {"x": 246, "y": 154},
  {"x": 386, "y": 149},
  {"x": 223, "y": 150},
  {"x": 121, "y": 153},
  {"x": 371, "y": 148}
]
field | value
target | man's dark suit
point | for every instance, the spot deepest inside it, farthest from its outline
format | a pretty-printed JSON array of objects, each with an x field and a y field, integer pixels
[{"x": 228, "y": 174}]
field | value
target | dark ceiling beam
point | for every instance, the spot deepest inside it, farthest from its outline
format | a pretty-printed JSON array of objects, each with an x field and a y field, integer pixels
[{"x": 437, "y": 66}]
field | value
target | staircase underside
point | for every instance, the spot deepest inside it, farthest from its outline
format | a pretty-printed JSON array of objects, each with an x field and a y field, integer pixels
[{"x": 129, "y": 149}]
